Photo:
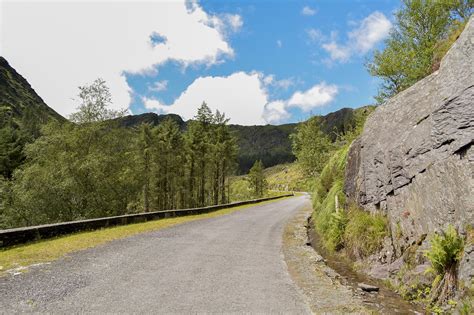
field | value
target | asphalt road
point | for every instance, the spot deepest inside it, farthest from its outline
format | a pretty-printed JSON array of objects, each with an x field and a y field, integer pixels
[{"x": 228, "y": 264}]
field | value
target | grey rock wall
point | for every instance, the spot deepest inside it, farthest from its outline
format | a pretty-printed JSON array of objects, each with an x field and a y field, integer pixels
[{"x": 415, "y": 159}]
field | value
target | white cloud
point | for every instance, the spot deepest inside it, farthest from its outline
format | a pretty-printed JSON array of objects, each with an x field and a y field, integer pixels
[
  {"x": 244, "y": 98},
  {"x": 270, "y": 80},
  {"x": 226, "y": 23},
  {"x": 267, "y": 80},
  {"x": 370, "y": 31},
  {"x": 308, "y": 11},
  {"x": 284, "y": 84},
  {"x": 159, "y": 86},
  {"x": 315, "y": 35},
  {"x": 319, "y": 95},
  {"x": 337, "y": 52},
  {"x": 240, "y": 96},
  {"x": 235, "y": 22},
  {"x": 58, "y": 46},
  {"x": 275, "y": 112}
]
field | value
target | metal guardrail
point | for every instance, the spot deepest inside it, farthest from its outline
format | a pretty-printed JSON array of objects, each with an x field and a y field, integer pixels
[{"x": 23, "y": 235}]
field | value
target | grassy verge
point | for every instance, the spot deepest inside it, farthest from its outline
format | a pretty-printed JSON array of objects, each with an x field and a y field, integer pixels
[
  {"x": 340, "y": 223},
  {"x": 52, "y": 249},
  {"x": 289, "y": 177}
]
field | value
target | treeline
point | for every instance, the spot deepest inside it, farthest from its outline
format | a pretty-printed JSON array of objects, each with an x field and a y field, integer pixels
[
  {"x": 313, "y": 147},
  {"x": 92, "y": 168}
]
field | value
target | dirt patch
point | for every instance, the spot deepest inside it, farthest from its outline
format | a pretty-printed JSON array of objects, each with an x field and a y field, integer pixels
[{"x": 322, "y": 286}]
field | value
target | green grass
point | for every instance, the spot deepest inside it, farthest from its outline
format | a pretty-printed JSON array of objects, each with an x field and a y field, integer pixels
[
  {"x": 359, "y": 232},
  {"x": 289, "y": 177},
  {"x": 52, "y": 249},
  {"x": 329, "y": 186},
  {"x": 364, "y": 232},
  {"x": 240, "y": 189}
]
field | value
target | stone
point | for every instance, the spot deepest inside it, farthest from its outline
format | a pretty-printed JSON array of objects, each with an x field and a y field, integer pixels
[
  {"x": 414, "y": 160},
  {"x": 368, "y": 288}
]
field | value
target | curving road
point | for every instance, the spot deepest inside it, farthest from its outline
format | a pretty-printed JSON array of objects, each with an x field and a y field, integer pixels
[{"x": 231, "y": 263}]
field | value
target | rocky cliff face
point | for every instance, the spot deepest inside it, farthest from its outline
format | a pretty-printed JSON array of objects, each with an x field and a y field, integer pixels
[{"x": 415, "y": 159}]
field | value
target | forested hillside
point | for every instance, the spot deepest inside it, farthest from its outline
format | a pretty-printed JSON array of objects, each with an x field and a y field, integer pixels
[
  {"x": 20, "y": 101},
  {"x": 22, "y": 112},
  {"x": 152, "y": 119},
  {"x": 270, "y": 144}
]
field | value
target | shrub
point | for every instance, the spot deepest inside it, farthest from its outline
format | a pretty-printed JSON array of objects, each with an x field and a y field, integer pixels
[{"x": 444, "y": 255}]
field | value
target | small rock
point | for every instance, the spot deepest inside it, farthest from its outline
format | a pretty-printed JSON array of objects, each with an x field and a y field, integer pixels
[{"x": 368, "y": 287}]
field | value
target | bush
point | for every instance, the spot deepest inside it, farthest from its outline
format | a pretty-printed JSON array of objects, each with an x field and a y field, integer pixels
[
  {"x": 364, "y": 232},
  {"x": 329, "y": 222},
  {"x": 332, "y": 223},
  {"x": 240, "y": 189},
  {"x": 444, "y": 255}
]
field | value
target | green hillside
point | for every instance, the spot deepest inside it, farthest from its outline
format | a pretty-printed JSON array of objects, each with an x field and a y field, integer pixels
[
  {"x": 20, "y": 103},
  {"x": 22, "y": 112},
  {"x": 270, "y": 143}
]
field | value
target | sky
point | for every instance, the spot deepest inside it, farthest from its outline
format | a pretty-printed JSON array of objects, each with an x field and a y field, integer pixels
[{"x": 259, "y": 62}]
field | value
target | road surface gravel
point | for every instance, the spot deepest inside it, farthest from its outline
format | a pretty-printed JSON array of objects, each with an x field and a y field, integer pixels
[{"x": 228, "y": 264}]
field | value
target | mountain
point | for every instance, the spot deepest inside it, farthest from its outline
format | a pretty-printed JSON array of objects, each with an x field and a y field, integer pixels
[
  {"x": 149, "y": 118},
  {"x": 270, "y": 143},
  {"x": 26, "y": 111},
  {"x": 22, "y": 112},
  {"x": 20, "y": 103}
]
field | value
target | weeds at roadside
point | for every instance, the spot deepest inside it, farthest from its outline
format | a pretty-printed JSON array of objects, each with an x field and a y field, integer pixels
[{"x": 364, "y": 232}]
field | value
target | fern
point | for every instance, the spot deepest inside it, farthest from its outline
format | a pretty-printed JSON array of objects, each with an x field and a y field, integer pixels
[
  {"x": 446, "y": 250},
  {"x": 444, "y": 255},
  {"x": 335, "y": 234}
]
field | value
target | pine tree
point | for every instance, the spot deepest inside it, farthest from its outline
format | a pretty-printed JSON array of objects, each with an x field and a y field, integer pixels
[
  {"x": 257, "y": 179},
  {"x": 146, "y": 147},
  {"x": 12, "y": 142},
  {"x": 168, "y": 165}
]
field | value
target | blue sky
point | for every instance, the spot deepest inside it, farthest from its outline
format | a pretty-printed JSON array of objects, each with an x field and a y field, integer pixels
[
  {"x": 275, "y": 39},
  {"x": 258, "y": 61}
]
